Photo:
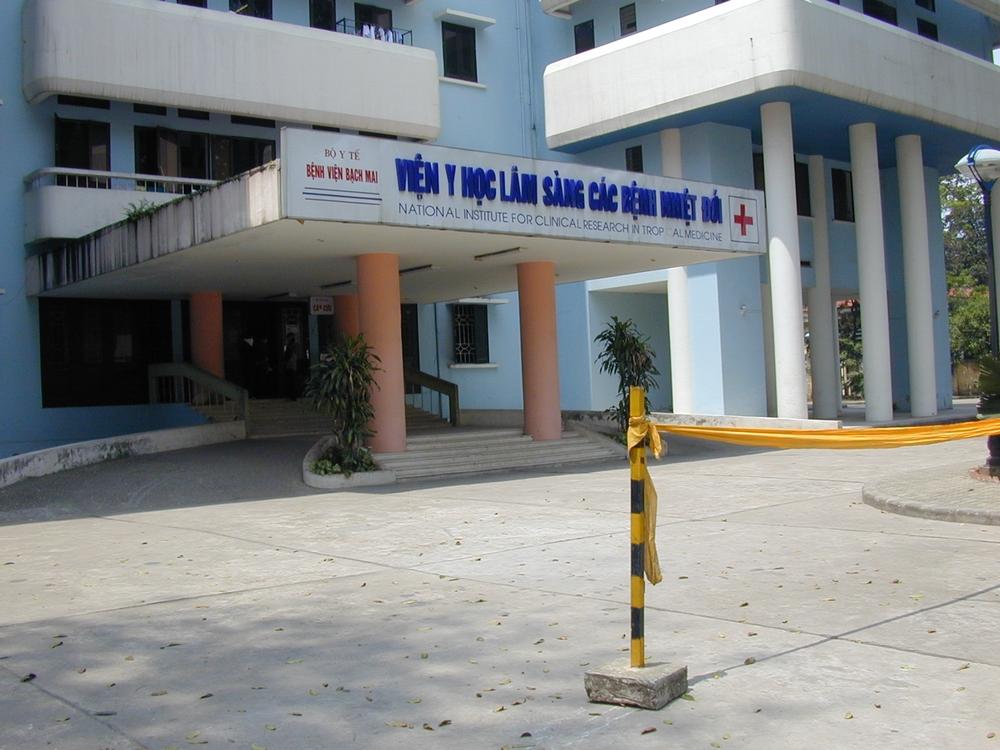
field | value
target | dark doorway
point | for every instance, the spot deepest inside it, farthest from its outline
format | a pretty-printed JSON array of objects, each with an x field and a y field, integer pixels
[{"x": 260, "y": 355}]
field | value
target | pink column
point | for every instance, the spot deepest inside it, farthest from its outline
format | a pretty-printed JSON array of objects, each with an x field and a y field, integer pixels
[
  {"x": 206, "y": 332},
  {"x": 345, "y": 314},
  {"x": 536, "y": 290},
  {"x": 379, "y": 321}
]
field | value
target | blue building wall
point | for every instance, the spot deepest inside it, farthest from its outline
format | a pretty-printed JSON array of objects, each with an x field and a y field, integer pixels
[{"x": 504, "y": 113}]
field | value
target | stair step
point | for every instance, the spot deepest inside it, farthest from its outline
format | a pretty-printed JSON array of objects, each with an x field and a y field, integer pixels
[{"x": 538, "y": 461}]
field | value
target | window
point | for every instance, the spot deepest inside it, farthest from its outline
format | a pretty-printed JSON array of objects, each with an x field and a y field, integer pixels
[
  {"x": 633, "y": 159},
  {"x": 758, "y": 170},
  {"x": 458, "y": 46},
  {"x": 233, "y": 156},
  {"x": 927, "y": 29},
  {"x": 843, "y": 195},
  {"x": 880, "y": 10},
  {"x": 626, "y": 17},
  {"x": 83, "y": 101},
  {"x": 803, "y": 200},
  {"x": 83, "y": 144},
  {"x": 194, "y": 3},
  {"x": 149, "y": 109},
  {"x": 323, "y": 14},
  {"x": 926, "y": 5},
  {"x": 255, "y": 8},
  {"x": 178, "y": 153},
  {"x": 192, "y": 114},
  {"x": 583, "y": 34},
  {"x": 471, "y": 334},
  {"x": 371, "y": 15},
  {"x": 260, "y": 122},
  {"x": 96, "y": 352}
]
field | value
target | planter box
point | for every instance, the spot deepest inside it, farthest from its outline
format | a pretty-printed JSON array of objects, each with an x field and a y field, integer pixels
[{"x": 339, "y": 481}]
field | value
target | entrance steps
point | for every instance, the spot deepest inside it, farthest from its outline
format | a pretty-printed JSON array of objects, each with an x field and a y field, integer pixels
[
  {"x": 465, "y": 451},
  {"x": 278, "y": 417}
]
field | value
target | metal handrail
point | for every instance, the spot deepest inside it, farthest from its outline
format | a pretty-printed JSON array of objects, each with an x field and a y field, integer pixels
[
  {"x": 111, "y": 180},
  {"x": 443, "y": 387},
  {"x": 180, "y": 382},
  {"x": 399, "y": 36}
]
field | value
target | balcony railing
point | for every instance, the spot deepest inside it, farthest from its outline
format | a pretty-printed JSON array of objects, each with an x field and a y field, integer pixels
[
  {"x": 91, "y": 178},
  {"x": 372, "y": 31}
]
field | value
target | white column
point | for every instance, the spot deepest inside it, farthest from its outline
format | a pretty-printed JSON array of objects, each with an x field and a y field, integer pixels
[
  {"x": 783, "y": 260},
  {"x": 917, "y": 276},
  {"x": 822, "y": 331},
  {"x": 677, "y": 296},
  {"x": 871, "y": 272}
]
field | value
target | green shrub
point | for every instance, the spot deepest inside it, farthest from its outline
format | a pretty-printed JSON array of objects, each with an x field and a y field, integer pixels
[
  {"x": 340, "y": 385},
  {"x": 628, "y": 355}
]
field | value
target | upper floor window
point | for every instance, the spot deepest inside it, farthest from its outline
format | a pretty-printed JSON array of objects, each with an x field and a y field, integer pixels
[
  {"x": 83, "y": 101},
  {"x": 179, "y": 153},
  {"x": 880, "y": 10},
  {"x": 633, "y": 159},
  {"x": 373, "y": 16},
  {"x": 458, "y": 46},
  {"x": 583, "y": 35},
  {"x": 194, "y": 3},
  {"x": 926, "y": 5},
  {"x": 83, "y": 144},
  {"x": 255, "y": 8},
  {"x": 927, "y": 29},
  {"x": 626, "y": 17},
  {"x": 803, "y": 199},
  {"x": 843, "y": 195},
  {"x": 323, "y": 14}
]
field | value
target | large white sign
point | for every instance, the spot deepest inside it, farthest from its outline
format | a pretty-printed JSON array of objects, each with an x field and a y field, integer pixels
[{"x": 330, "y": 176}]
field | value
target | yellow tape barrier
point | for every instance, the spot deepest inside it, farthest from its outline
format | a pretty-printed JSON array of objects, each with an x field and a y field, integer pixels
[
  {"x": 870, "y": 437},
  {"x": 639, "y": 428}
]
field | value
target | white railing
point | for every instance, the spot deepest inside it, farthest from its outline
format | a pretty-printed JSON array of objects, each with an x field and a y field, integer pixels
[{"x": 93, "y": 178}]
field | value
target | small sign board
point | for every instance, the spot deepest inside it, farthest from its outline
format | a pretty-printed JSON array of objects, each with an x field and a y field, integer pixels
[{"x": 321, "y": 305}]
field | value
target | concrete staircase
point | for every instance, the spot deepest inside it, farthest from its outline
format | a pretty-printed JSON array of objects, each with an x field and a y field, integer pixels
[
  {"x": 278, "y": 417},
  {"x": 465, "y": 451}
]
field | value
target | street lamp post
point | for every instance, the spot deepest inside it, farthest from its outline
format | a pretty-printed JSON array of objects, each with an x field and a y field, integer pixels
[{"x": 982, "y": 164}]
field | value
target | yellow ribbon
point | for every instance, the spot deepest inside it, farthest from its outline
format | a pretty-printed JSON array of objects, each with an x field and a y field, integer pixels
[
  {"x": 871, "y": 437},
  {"x": 640, "y": 428}
]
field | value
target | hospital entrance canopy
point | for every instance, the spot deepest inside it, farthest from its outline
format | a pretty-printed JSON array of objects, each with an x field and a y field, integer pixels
[{"x": 460, "y": 222}]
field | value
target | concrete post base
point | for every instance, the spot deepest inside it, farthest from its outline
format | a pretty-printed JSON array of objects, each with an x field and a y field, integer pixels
[{"x": 652, "y": 686}]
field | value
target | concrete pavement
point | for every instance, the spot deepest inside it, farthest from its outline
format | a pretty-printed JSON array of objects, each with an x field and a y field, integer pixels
[{"x": 208, "y": 599}]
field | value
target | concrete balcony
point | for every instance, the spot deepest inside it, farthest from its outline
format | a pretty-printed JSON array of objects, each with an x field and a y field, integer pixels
[
  {"x": 70, "y": 203},
  {"x": 173, "y": 55},
  {"x": 759, "y": 50}
]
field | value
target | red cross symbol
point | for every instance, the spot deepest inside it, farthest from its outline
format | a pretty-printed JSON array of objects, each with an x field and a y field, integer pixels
[{"x": 743, "y": 220}]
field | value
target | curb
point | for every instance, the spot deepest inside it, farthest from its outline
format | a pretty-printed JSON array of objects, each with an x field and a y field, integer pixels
[
  {"x": 917, "y": 509},
  {"x": 76, "y": 455}
]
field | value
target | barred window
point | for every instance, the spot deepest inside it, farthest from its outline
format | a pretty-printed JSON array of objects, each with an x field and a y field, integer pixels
[{"x": 471, "y": 334}]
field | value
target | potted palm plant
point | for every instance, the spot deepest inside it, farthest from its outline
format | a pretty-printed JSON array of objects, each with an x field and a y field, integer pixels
[{"x": 340, "y": 385}]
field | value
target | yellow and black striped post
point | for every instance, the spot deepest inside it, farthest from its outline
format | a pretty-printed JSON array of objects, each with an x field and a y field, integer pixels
[{"x": 637, "y": 458}]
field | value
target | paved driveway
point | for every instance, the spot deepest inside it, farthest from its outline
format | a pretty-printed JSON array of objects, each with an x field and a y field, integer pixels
[{"x": 208, "y": 599}]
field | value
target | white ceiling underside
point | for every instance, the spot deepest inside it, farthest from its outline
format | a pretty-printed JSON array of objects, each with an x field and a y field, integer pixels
[{"x": 298, "y": 259}]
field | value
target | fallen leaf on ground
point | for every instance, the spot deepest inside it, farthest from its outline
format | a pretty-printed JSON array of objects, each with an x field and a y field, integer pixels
[
  {"x": 648, "y": 730},
  {"x": 399, "y": 724}
]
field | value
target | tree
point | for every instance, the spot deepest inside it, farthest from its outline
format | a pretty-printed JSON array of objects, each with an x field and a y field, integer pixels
[
  {"x": 964, "y": 230},
  {"x": 968, "y": 318},
  {"x": 628, "y": 355}
]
